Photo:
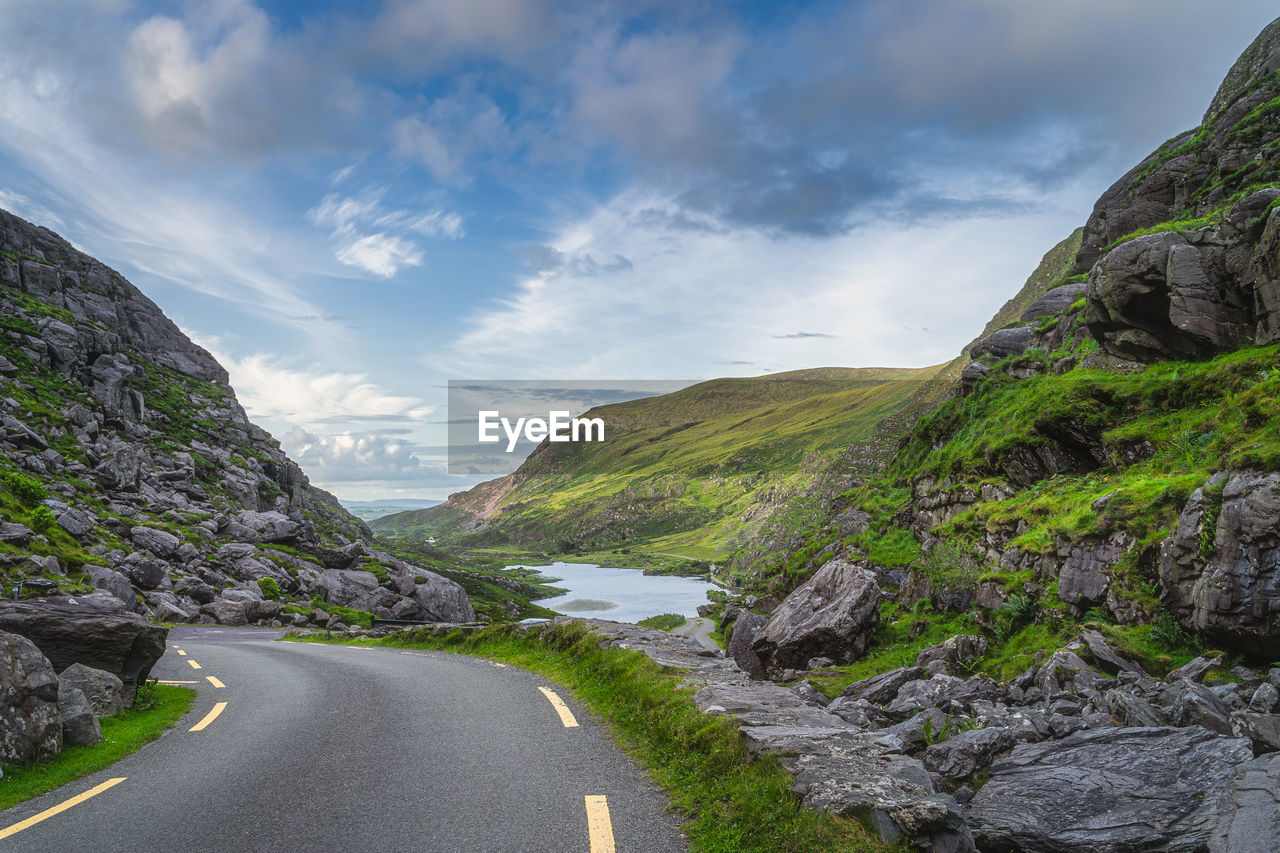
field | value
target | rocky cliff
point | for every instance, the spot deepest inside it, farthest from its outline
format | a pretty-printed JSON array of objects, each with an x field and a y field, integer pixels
[{"x": 127, "y": 464}]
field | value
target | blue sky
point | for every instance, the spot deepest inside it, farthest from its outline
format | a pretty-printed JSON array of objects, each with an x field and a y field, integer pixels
[{"x": 352, "y": 203}]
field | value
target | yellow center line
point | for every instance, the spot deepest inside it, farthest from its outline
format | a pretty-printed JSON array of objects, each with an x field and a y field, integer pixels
[
  {"x": 416, "y": 654},
  {"x": 502, "y": 665},
  {"x": 209, "y": 717},
  {"x": 194, "y": 665},
  {"x": 599, "y": 827},
  {"x": 181, "y": 652},
  {"x": 163, "y": 681},
  {"x": 60, "y": 807},
  {"x": 214, "y": 681},
  {"x": 566, "y": 716}
]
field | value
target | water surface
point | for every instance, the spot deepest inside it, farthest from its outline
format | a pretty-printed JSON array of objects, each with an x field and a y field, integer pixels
[{"x": 623, "y": 595}]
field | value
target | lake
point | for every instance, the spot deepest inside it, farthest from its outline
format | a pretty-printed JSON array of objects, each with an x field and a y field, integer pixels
[{"x": 623, "y": 595}]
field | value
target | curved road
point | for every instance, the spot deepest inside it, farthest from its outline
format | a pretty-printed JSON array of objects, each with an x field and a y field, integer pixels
[{"x": 348, "y": 748}]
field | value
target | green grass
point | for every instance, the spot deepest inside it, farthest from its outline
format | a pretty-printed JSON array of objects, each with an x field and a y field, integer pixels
[
  {"x": 663, "y": 621},
  {"x": 125, "y": 733},
  {"x": 732, "y": 805}
]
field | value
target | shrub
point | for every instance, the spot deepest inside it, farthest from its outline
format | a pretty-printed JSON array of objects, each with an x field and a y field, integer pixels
[
  {"x": 43, "y": 520},
  {"x": 24, "y": 488},
  {"x": 270, "y": 589}
]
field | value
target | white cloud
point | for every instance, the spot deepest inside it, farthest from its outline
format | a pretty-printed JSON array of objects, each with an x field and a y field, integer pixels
[
  {"x": 351, "y": 218},
  {"x": 30, "y": 210},
  {"x": 352, "y": 456},
  {"x": 691, "y": 300}
]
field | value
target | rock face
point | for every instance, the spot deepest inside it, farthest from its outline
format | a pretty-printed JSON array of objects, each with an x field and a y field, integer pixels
[
  {"x": 1113, "y": 789},
  {"x": 30, "y": 726},
  {"x": 1230, "y": 591},
  {"x": 834, "y": 614},
  {"x": 93, "y": 630}
]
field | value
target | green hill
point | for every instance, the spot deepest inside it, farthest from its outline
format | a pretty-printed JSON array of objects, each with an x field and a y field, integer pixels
[{"x": 690, "y": 471}]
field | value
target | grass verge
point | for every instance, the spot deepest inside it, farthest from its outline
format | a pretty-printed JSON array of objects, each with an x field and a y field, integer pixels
[
  {"x": 125, "y": 733},
  {"x": 732, "y": 804}
]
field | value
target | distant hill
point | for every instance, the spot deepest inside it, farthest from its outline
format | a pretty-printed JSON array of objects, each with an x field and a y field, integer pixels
[
  {"x": 692, "y": 470},
  {"x": 369, "y": 510}
]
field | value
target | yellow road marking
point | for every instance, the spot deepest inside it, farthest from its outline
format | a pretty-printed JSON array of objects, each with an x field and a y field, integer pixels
[
  {"x": 495, "y": 663},
  {"x": 162, "y": 681},
  {"x": 566, "y": 716},
  {"x": 194, "y": 665},
  {"x": 215, "y": 682},
  {"x": 209, "y": 717},
  {"x": 416, "y": 654},
  {"x": 60, "y": 807},
  {"x": 181, "y": 652},
  {"x": 599, "y": 827}
]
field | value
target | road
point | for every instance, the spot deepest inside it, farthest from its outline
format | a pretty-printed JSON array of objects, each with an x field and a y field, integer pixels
[
  {"x": 698, "y": 628},
  {"x": 369, "y": 749}
]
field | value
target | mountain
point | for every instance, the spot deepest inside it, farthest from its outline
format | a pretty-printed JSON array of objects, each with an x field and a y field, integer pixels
[
  {"x": 1113, "y": 456},
  {"x": 127, "y": 465},
  {"x": 369, "y": 510},
  {"x": 695, "y": 470}
]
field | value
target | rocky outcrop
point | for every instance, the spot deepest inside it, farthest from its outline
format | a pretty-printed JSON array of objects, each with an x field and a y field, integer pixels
[
  {"x": 834, "y": 614},
  {"x": 30, "y": 726},
  {"x": 1123, "y": 789},
  {"x": 94, "y": 630},
  {"x": 1220, "y": 570}
]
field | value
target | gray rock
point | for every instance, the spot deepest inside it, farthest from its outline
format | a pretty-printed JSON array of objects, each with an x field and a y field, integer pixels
[
  {"x": 962, "y": 649},
  {"x": 1189, "y": 704},
  {"x": 161, "y": 543},
  {"x": 441, "y": 600},
  {"x": 1108, "y": 789},
  {"x": 113, "y": 582},
  {"x": 961, "y": 756},
  {"x": 1264, "y": 699},
  {"x": 145, "y": 571},
  {"x": 1194, "y": 669},
  {"x": 917, "y": 731},
  {"x": 91, "y": 629},
  {"x": 16, "y": 534},
  {"x": 226, "y": 612},
  {"x": 1262, "y": 729},
  {"x": 75, "y": 522},
  {"x": 1003, "y": 343},
  {"x": 834, "y": 614},
  {"x": 79, "y": 724},
  {"x": 343, "y": 587},
  {"x": 859, "y": 713},
  {"x": 103, "y": 690},
  {"x": 745, "y": 629},
  {"x": 764, "y": 704},
  {"x": 1247, "y": 813},
  {"x": 883, "y": 688},
  {"x": 271, "y": 526},
  {"x": 1106, "y": 657},
  {"x": 1056, "y": 300},
  {"x": 30, "y": 726},
  {"x": 1133, "y": 710},
  {"x": 1231, "y": 595}
]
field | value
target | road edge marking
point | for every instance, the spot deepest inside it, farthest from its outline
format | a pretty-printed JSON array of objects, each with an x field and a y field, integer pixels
[
  {"x": 14, "y": 829},
  {"x": 214, "y": 681},
  {"x": 209, "y": 717},
  {"x": 194, "y": 665},
  {"x": 599, "y": 826},
  {"x": 566, "y": 716}
]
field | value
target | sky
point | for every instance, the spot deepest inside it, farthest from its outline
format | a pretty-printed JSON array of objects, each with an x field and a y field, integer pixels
[{"x": 351, "y": 204}]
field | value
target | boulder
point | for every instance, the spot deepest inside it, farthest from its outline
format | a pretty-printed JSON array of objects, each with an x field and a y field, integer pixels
[
  {"x": 113, "y": 582},
  {"x": 270, "y": 526},
  {"x": 961, "y": 756},
  {"x": 226, "y": 612},
  {"x": 161, "y": 543},
  {"x": 343, "y": 587},
  {"x": 1262, "y": 729},
  {"x": 1229, "y": 592},
  {"x": 1054, "y": 301},
  {"x": 745, "y": 629},
  {"x": 145, "y": 571},
  {"x": 30, "y": 726},
  {"x": 1247, "y": 813},
  {"x": 1107, "y": 658},
  {"x": 103, "y": 690},
  {"x": 763, "y": 704},
  {"x": 79, "y": 724},
  {"x": 75, "y": 522},
  {"x": 441, "y": 600},
  {"x": 1108, "y": 789},
  {"x": 962, "y": 649},
  {"x": 92, "y": 629},
  {"x": 1003, "y": 343},
  {"x": 883, "y": 688},
  {"x": 12, "y": 533},
  {"x": 833, "y": 614}
]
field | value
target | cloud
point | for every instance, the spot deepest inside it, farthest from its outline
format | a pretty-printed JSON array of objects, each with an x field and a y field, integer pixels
[
  {"x": 30, "y": 210},
  {"x": 351, "y": 456},
  {"x": 271, "y": 389},
  {"x": 352, "y": 218},
  {"x": 798, "y": 335}
]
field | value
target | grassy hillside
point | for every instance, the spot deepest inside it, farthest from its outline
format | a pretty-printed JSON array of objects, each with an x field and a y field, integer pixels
[{"x": 687, "y": 471}]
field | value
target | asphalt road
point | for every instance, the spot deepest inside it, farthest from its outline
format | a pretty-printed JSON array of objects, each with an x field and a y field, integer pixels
[
  {"x": 698, "y": 628},
  {"x": 361, "y": 749}
]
